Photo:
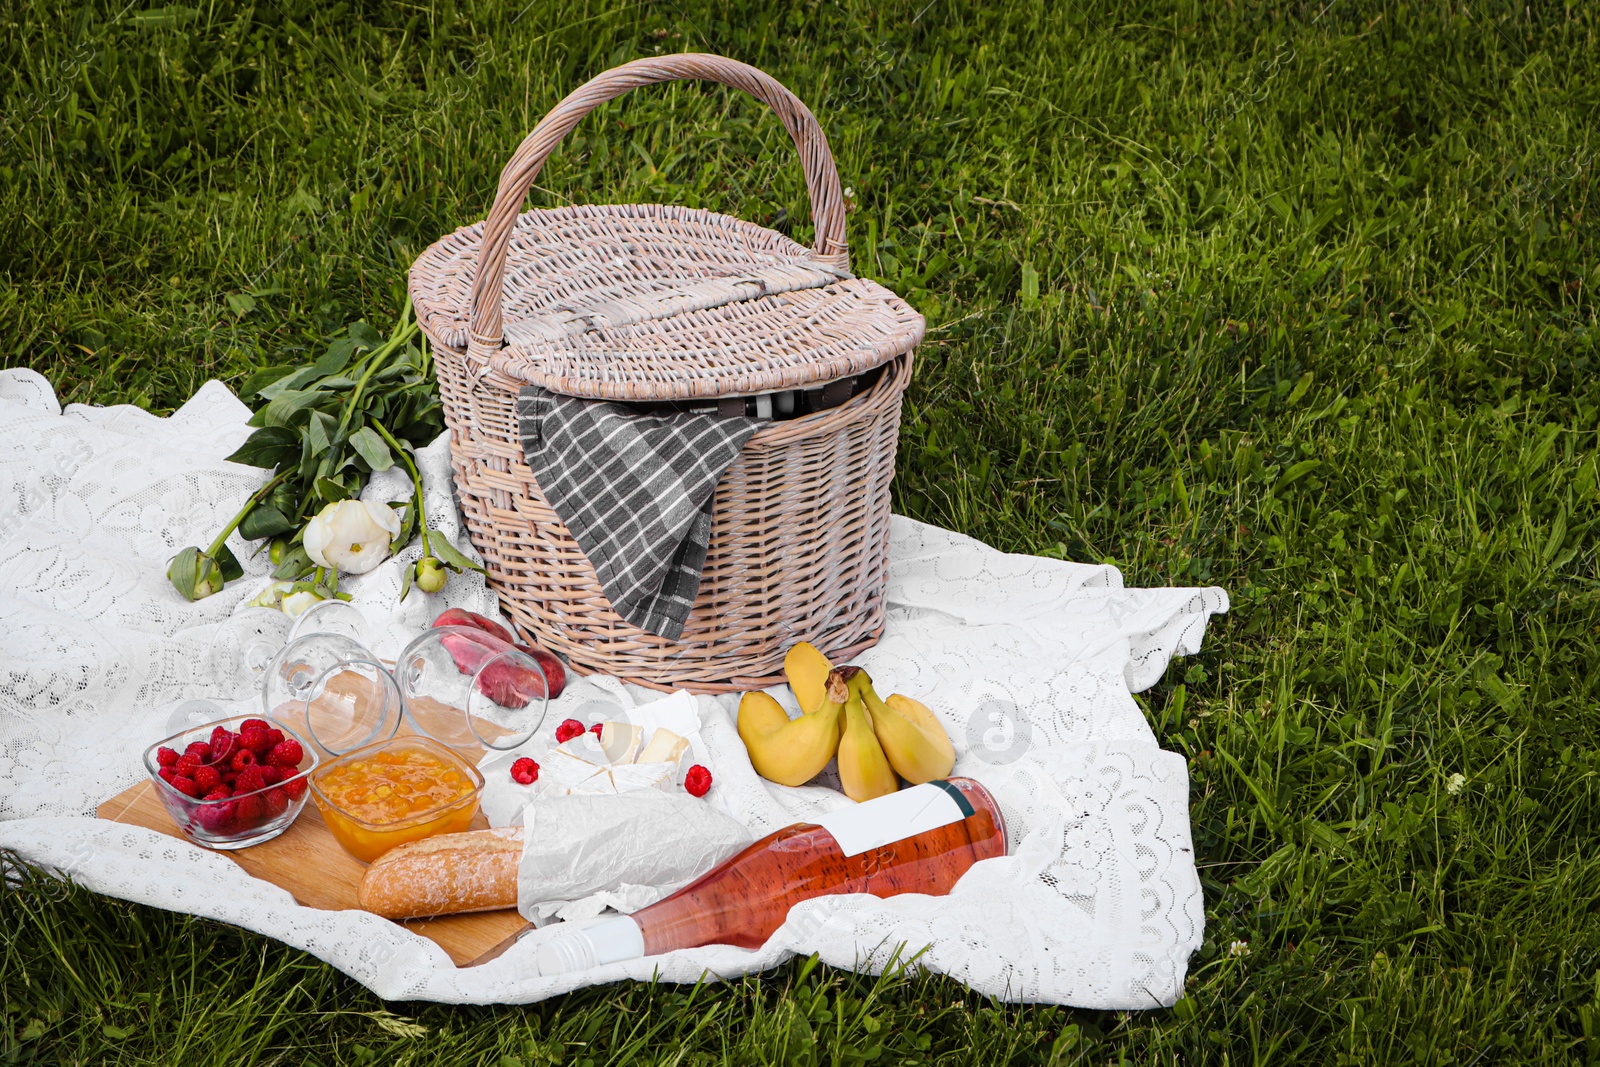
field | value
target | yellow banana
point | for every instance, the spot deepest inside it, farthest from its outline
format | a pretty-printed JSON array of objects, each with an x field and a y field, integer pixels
[
  {"x": 911, "y": 736},
  {"x": 807, "y": 670},
  {"x": 789, "y": 753},
  {"x": 864, "y": 770}
]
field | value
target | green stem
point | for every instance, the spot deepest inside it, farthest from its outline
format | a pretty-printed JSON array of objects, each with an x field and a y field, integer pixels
[
  {"x": 416, "y": 483},
  {"x": 249, "y": 505},
  {"x": 404, "y": 330}
]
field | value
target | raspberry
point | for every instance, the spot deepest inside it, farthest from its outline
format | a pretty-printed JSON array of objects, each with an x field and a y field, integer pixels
[
  {"x": 276, "y": 801},
  {"x": 697, "y": 783},
  {"x": 242, "y": 759},
  {"x": 167, "y": 774},
  {"x": 596, "y": 728},
  {"x": 185, "y": 786},
  {"x": 214, "y": 818},
  {"x": 248, "y": 812},
  {"x": 256, "y": 740},
  {"x": 224, "y": 744},
  {"x": 199, "y": 750},
  {"x": 295, "y": 787},
  {"x": 277, "y": 737},
  {"x": 271, "y": 775},
  {"x": 207, "y": 779},
  {"x": 187, "y": 764},
  {"x": 251, "y": 779},
  {"x": 568, "y": 730},
  {"x": 166, "y": 757},
  {"x": 524, "y": 771},
  {"x": 219, "y": 793},
  {"x": 254, "y": 724},
  {"x": 286, "y": 753}
]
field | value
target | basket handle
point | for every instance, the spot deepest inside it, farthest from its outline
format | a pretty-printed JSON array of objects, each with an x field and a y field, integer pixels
[{"x": 822, "y": 177}]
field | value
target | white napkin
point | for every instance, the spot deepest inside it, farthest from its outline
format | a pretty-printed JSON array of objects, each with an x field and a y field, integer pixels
[{"x": 584, "y": 853}]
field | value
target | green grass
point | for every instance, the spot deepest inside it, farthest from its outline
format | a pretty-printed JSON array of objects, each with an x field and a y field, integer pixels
[{"x": 1297, "y": 300}]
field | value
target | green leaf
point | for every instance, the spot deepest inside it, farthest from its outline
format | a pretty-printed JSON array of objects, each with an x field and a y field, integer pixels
[
  {"x": 262, "y": 378},
  {"x": 332, "y": 490},
  {"x": 408, "y": 525},
  {"x": 372, "y": 448},
  {"x": 268, "y": 447},
  {"x": 264, "y": 520},
  {"x": 284, "y": 408},
  {"x": 335, "y": 359},
  {"x": 364, "y": 335},
  {"x": 407, "y": 574},
  {"x": 295, "y": 564},
  {"x": 449, "y": 555},
  {"x": 1030, "y": 285},
  {"x": 1299, "y": 389},
  {"x": 229, "y": 563},
  {"x": 241, "y": 304},
  {"x": 321, "y": 431},
  {"x": 1558, "y": 537},
  {"x": 295, "y": 380},
  {"x": 115, "y": 1033},
  {"x": 1295, "y": 473}
]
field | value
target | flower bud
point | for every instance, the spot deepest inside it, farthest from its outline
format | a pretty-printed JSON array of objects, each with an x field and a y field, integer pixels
[
  {"x": 194, "y": 574},
  {"x": 431, "y": 575}
]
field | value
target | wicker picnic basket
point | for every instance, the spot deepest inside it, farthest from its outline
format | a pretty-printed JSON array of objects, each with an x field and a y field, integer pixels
[{"x": 654, "y": 303}]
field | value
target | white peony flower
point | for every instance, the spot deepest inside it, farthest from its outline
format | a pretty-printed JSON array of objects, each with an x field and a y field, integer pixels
[
  {"x": 295, "y": 603},
  {"x": 271, "y": 596},
  {"x": 351, "y": 535}
]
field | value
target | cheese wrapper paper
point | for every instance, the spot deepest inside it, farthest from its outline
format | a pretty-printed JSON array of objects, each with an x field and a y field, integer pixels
[{"x": 631, "y": 849}]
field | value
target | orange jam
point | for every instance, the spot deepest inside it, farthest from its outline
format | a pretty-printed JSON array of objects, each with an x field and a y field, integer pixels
[{"x": 393, "y": 792}]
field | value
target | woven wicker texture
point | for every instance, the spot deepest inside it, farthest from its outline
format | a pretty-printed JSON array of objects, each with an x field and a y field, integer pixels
[
  {"x": 799, "y": 542},
  {"x": 653, "y": 302},
  {"x": 658, "y": 302}
]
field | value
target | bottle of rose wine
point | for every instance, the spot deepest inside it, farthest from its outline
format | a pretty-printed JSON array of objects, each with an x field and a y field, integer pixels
[{"x": 918, "y": 840}]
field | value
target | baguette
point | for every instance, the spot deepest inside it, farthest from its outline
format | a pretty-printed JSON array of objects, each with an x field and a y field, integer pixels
[{"x": 445, "y": 875}]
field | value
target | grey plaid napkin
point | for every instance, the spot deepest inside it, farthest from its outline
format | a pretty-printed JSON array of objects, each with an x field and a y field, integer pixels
[{"x": 635, "y": 490}]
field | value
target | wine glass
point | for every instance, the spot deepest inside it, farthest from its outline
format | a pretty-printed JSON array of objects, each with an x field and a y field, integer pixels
[
  {"x": 462, "y": 686},
  {"x": 333, "y": 616},
  {"x": 242, "y": 647},
  {"x": 335, "y": 688},
  {"x": 351, "y": 703}
]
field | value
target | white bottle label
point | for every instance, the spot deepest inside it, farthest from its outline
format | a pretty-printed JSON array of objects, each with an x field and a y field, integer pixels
[{"x": 895, "y": 817}]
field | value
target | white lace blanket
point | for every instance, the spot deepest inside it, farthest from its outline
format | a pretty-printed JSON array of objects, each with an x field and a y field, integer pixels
[{"x": 1030, "y": 663}]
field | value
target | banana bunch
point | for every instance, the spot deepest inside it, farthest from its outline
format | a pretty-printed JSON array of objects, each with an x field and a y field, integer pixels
[{"x": 877, "y": 741}]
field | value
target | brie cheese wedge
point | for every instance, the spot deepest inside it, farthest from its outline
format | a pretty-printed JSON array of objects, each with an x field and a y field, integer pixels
[
  {"x": 620, "y": 741},
  {"x": 664, "y": 747}
]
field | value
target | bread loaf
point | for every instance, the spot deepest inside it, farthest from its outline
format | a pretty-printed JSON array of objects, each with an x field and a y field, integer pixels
[{"x": 445, "y": 875}]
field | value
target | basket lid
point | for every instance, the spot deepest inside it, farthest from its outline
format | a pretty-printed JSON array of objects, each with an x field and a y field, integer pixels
[{"x": 656, "y": 302}]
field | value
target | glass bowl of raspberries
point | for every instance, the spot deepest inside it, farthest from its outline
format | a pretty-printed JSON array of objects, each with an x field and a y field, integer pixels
[{"x": 233, "y": 783}]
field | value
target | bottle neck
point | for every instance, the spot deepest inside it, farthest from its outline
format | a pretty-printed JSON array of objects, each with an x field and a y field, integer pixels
[{"x": 607, "y": 940}]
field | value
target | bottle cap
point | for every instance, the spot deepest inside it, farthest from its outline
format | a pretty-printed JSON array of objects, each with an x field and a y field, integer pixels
[{"x": 605, "y": 940}]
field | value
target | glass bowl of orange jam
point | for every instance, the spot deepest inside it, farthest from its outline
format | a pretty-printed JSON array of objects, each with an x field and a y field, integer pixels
[{"x": 399, "y": 790}]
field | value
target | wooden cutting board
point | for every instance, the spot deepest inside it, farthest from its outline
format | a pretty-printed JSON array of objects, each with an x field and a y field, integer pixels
[{"x": 307, "y": 861}]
